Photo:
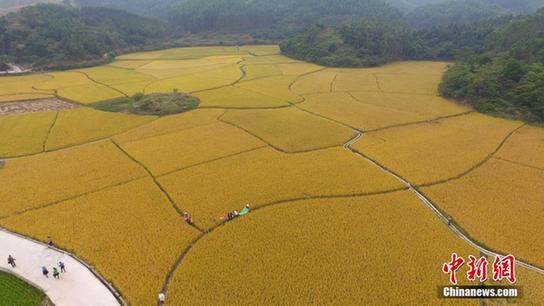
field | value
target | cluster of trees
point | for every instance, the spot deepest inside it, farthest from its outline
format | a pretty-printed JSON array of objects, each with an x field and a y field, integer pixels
[
  {"x": 364, "y": 43},
  {"x": 46, "y": 33},
  {"x": 508, "y": 76}
]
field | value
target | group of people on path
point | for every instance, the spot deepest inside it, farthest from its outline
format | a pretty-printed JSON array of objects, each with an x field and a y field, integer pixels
[
  {"x": 45, "y": 271},
  {"x": 56, "y": 273}
]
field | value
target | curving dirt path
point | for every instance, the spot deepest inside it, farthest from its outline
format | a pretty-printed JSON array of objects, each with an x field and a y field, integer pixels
[{"x": 80, "y": 285}]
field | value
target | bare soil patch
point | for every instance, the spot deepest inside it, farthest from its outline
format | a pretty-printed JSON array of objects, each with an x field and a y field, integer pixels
[{"x": 42, "y": 105}]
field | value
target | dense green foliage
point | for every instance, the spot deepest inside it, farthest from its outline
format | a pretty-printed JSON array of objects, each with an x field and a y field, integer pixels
[
  {"x": 272, "y": 16},
  {"x": 52, "y": 33},
  {"x": 508, "y": 77},
  {"x": 454, "y": 12},
  {"x": 14, "y": 291},
  {"x": 365, "y": 43},
  {"x": 153, "y": 104}
]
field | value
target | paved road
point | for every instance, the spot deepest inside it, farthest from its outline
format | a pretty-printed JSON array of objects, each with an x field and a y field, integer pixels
[{"x": 77, "y": 287}]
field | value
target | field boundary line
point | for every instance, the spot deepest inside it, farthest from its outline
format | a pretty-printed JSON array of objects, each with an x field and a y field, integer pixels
[
  {"x": 304, "y": 198},
  {"x": 211, "y": 160},
  {"x": 446, "y": 219},
  {"x": 109, "y": 285},
  {"x": 274, "y": 146},
  {"x": 89, "y": 142},
  {"x": 388, "y": 106},
  {"x": 331, "y": 85},
  {"x": 478, "y": 165},
  {"x": 157, "y": 183},
  {"x": 100, "y": 83},
  {"x": 44, "y": 145},
  {"x": 378, "y": 85},
  {"x": 69, "y": 198},
  {"x": 518, "y": 163}
]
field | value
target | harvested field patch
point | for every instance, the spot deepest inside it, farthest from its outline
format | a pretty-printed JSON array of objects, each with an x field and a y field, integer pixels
[
  {"x": 343, "y": 108},
  {"x": 290, "y": 129},
  {"x": 334, "y": 251},
  {"x": 165, "y": 153},
  {"x": 33, "y": 106},
  {"x": 84, "y": 125},
  {"x": 210, "y": 190},
  {"x": 499, "y": 204},
  {"x": 120, "y": 231},
  {"x": 33, "y": 182},
  {"x": 430, "y": 152},
  {"x": 24, "y": 133}
]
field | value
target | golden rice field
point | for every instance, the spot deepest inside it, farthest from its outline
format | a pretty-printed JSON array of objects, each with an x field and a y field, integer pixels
[
  {"x": 509, "y": 196},
  {"x": 265, "y": 176},
  {"x": 435, "y": 151},
  {"x": 343, "y": 108},
  {"x": 129, "y": 231},
  {"x": 327, "y": 225},
  {"x": 321, "y": 250},
  {"x": 24, "y": 133},
  {"x": 192, "y": 146},
  {"x": 290, "y": 129}
]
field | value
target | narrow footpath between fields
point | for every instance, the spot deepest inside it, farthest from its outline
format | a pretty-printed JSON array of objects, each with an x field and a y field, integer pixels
[{"x": 78, "y": 286}]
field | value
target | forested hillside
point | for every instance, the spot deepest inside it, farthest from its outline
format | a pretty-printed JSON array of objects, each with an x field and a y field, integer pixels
[
  {"x": 508, "y": 77},
  {"x": 46, "y": 35},
  {"x": 455, "y": 12},
  {"x": 274, "y": 17}
]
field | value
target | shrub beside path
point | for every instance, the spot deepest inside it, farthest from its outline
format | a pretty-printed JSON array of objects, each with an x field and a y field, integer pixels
[{"x": 78, "y": 286}]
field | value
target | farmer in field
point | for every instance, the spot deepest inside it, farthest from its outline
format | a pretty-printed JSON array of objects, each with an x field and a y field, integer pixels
[
  {"x": 62, "y": 267},
  {"x": 11, "y": 261},
  {"x": 56, "y": 273},
  {"x": 188, "y": 218},
  {"x": 162, "y": 298},
  {"x": 230, "y": 216},
  {"x": 245, "y": 211},
  {"x": 45, "y": 272}
]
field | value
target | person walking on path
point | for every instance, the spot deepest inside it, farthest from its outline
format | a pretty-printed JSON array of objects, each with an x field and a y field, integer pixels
[
  {"x": 162, "y": 298},
  {"x": 56, "y": 273},
  {"x": 45, "y": 272},
  {"x": 11, "y": 261},
  {"x": 62, "y": 267}
]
